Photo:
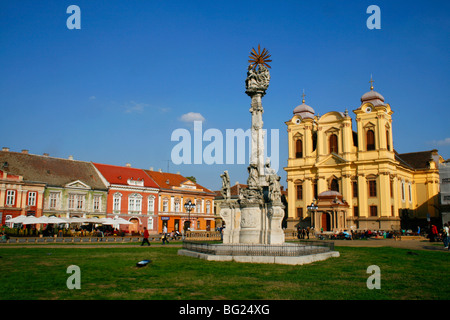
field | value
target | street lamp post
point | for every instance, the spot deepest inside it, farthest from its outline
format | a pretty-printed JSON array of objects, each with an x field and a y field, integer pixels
[
  {"x": 188, "y": 206},
  {"x": 313, "y": 208}
]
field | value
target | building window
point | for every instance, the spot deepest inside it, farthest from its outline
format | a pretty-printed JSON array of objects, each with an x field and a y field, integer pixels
[
  {"x": 355, "y": 211},
  {"x": 372, "y": 188},
  {"x": 76, "y": 201},
  {"x": 71, "y": 201},
  {"x": 355, "y": 189},
  {"x": 117, "y": 201},
  {"x": 31, "y": 199},
  {"x": 392, "y": 211},
  {"x": 373, "y": 211},
  {"x": 300, "y": 213},
  {"x": 177, "y": 205},
  {"x": 97, "y": 202},
  {"x": 392, "y": 188},
  {"x": 315, "y": 189},
  {"x": 165, "y": 205},
  {"x": 403, "y": 190},
  {"x": 388, "y": 141},
  {"x": 333, "y": 143},
  {"x": 80, "y": 201},
  {"x": 53, "y": 200},
  {"x": 370, "y": 135},
  {"x": 135, "y": 203},
  {"x": 10, "y": 197},
  {"x": 298, "y": 148},
  {"x": 150, "y": 224},
  {"x": 410, "y": 192},
  {"x": 314, "y": 141},
  {"x": 198, "y": 206},
  {"x": 334, "y": 185},
  {"x": 151, "y": 205},
  {"x": 299, "y": 192},
  {"x": 208, "y": 206}
]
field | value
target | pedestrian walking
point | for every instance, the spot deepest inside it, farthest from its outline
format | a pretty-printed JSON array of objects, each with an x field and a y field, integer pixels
[
  {"x": 145, "y": 239},
  {"x": 164, "y": 238},
  {"x": 445, "y": 236}
]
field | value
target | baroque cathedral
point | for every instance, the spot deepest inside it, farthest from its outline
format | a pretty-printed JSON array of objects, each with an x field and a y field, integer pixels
[{"x": 341, "y": 179}]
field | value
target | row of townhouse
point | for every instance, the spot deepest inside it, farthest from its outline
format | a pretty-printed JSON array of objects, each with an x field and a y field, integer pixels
[{"x": 42, "y": 185}]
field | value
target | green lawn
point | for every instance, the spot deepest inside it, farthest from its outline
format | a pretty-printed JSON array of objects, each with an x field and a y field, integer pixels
[{"x": 110, "y": 273}]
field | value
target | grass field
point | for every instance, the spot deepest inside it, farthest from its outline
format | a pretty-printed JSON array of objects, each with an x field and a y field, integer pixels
[{"x": 111, "y": 273}]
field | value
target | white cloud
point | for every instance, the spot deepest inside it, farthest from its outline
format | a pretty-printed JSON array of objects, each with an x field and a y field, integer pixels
[
  {"x": 443, "y": 142},
  {"x": 191, "y": 117},
  {"x": 92, "y": 97},
  {"x": 134, "y": 107}
]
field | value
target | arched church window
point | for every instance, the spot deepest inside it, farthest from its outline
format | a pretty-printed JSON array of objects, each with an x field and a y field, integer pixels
[
  {"x": 299, "y": 148},
  {"x": 333, "y": 143},
  {"x": 314, "y": 141},
  {"x": 370, "y": 136},
  {"x": 388, "y": 141}
]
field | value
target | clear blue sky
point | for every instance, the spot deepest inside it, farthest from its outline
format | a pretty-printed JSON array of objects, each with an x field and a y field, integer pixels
[{"x": 114, "y": 91}]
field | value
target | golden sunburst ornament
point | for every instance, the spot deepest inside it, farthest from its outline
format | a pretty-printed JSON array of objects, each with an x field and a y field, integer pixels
[{"x": 259, "y": 58}]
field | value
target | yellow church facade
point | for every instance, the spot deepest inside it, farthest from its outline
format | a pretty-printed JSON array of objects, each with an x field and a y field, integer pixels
[{"x": 340, "y": 179}]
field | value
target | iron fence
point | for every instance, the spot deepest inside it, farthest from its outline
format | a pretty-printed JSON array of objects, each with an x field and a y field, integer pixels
[{"x": 283, "y": 250}]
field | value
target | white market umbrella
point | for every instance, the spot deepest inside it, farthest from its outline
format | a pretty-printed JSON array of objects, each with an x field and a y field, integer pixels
[
  {"x": 31, "y": 220},
  {"x": 108, "y": 221},
  {"x": 44, "y": 219},
  {"x": 121, "y": 221},
  {"x": 56, "y": 220},
  {"x": 76, "y": 220},
  {"x": 94, "y": 220},
  {"x": 17, "y": 219}
]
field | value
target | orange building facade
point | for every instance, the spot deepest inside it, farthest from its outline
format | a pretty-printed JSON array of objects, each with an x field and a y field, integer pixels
[
  {"x": 19, "y": 197},
  {"x": 174, "y": 191},
  {"x": 133, "y": 196}
]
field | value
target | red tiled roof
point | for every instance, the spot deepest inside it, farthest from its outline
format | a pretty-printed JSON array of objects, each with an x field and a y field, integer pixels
[
  {"x": 167, "y": 180},
  {"x": 52, "y": 171},
  {"x": 120, "y": 175},
  {"x": 417, "y": 160}
]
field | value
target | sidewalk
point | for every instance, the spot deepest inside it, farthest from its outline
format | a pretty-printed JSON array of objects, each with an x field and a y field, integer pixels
[{"x": 413, "y": 244}]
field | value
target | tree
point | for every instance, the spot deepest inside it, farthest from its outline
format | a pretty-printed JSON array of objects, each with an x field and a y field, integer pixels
[{"x": 192, "y": 178}]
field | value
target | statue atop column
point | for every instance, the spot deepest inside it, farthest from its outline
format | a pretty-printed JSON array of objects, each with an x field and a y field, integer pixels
[
  {"x": 258, "y": 76},
  {"x": 255, "y": 217}
]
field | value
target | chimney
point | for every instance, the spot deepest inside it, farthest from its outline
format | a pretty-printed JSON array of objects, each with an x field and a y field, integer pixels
[
  {"x": 128, "y": 165},
  {"x": 5, "y": 149},
  {"x": 160, "y": 170},
  {"x": 151, "y": 168},
  {"x": 24, "y": 151},
  {"x": 70, "y": 157},
  {"x": 46, "y": 154}
]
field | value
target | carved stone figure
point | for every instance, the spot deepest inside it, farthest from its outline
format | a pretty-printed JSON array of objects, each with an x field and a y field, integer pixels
[
  {"x": 226, "y": 189},
  {"x": 257, "y": 80},
  {"x": 253, "y": 176}
]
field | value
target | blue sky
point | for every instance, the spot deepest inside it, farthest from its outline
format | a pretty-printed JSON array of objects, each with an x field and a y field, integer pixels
[{"x": 115, "y": 90}]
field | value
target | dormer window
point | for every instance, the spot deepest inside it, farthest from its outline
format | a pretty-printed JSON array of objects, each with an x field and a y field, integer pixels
[{"x": 138, "y": 182}]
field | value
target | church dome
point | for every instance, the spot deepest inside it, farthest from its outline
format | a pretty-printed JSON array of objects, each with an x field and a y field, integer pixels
[
  {"x": 372, "y": 97},
  {"x": 304, "y": 111}
]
